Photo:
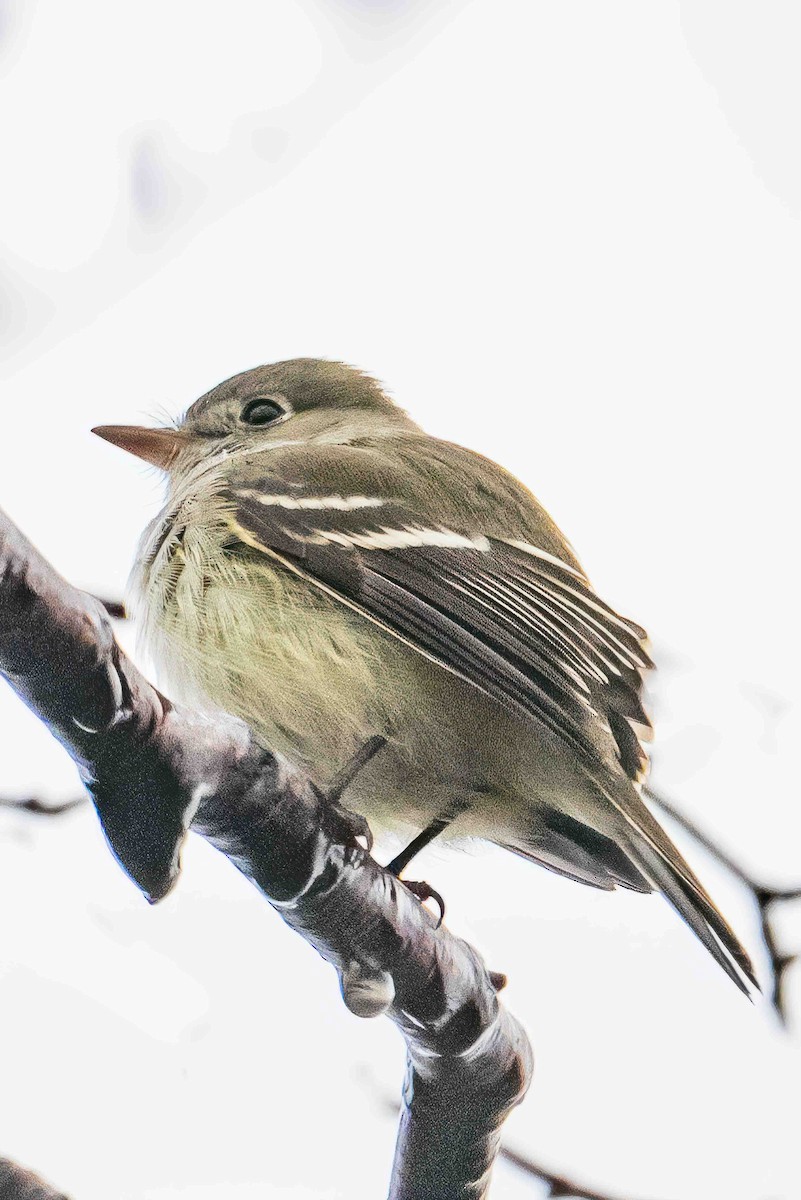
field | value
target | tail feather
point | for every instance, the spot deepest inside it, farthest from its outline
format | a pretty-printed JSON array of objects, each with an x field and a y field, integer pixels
[
  {"x": 635, "y": 852},
  {"x": 693, "y": 904},
  {"x": 651, "y": 850},
  {"x": 570, "y": 848},
  {"x": 568, "y": 865}
]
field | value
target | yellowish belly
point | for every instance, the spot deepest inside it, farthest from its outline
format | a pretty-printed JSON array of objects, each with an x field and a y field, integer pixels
[{"x": 313, "y": 678}]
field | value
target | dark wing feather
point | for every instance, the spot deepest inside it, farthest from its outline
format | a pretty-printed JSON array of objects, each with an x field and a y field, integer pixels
[{"x": 523, "y": 627}]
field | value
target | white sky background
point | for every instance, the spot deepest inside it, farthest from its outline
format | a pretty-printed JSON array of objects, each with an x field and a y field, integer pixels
[{"x": 566, "y": 234}]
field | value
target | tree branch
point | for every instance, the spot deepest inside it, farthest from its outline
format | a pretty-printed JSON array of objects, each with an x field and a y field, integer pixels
[
  {"x": 559, "y": 1187},
  {"x": 18, "y": 1184},
  {"x": 766, "y": 899},
  {"x": 154, "y": 768}
]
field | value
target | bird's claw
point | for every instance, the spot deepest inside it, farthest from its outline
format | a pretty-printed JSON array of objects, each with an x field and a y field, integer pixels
[
  {"x": 358, "y": 835},
  {"x": 424, "y": 891}
]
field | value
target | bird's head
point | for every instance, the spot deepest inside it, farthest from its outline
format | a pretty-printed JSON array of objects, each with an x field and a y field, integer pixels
[{"x": 300, "y": 400}]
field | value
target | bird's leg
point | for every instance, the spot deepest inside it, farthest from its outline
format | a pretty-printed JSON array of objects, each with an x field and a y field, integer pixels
[
  {"x": 355, "y": 823},
  {"x": 400, "y": 862},
  {"x": 345, "y": 777},
  {"x": 359, "y": 828}
]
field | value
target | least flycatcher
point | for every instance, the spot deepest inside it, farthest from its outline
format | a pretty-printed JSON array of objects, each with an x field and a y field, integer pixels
[{"x": 337, "y": 578}]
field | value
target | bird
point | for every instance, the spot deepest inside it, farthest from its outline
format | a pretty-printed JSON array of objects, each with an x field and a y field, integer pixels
[{"x": 400, "y": 614}]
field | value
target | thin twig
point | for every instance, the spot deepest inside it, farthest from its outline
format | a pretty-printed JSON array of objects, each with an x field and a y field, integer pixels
[
  {"x": 42, "y": 808},
  {"x": 560, "y": 1187},
  {"x": 766, "y": 899}
]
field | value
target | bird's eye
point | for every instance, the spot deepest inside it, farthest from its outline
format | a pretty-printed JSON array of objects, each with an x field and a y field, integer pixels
[{"x": 261, "y": 412}]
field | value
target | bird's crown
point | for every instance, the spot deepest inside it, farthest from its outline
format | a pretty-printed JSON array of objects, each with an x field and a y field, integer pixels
[{"x": 296, "y": 385}]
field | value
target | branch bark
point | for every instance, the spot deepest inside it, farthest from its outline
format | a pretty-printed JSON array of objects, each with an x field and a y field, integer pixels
[
  {"x": 16, "y": 1183},
  {"x": 154, "y": 768}
]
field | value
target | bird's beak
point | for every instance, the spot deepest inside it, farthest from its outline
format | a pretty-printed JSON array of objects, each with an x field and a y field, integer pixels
[{"x": 157, "y": 446}]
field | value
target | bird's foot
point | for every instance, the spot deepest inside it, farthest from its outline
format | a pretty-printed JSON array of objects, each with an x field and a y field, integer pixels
[
  {"x": 424, "y": 891},
  {"x": 353, "y": 830}
]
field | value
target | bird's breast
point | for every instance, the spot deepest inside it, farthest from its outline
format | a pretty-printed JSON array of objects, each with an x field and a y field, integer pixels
[{"x": 230, "y": 628}]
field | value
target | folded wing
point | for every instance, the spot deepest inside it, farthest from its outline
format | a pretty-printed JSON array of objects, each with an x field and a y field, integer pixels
[{"x": 513, "y": 620}]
